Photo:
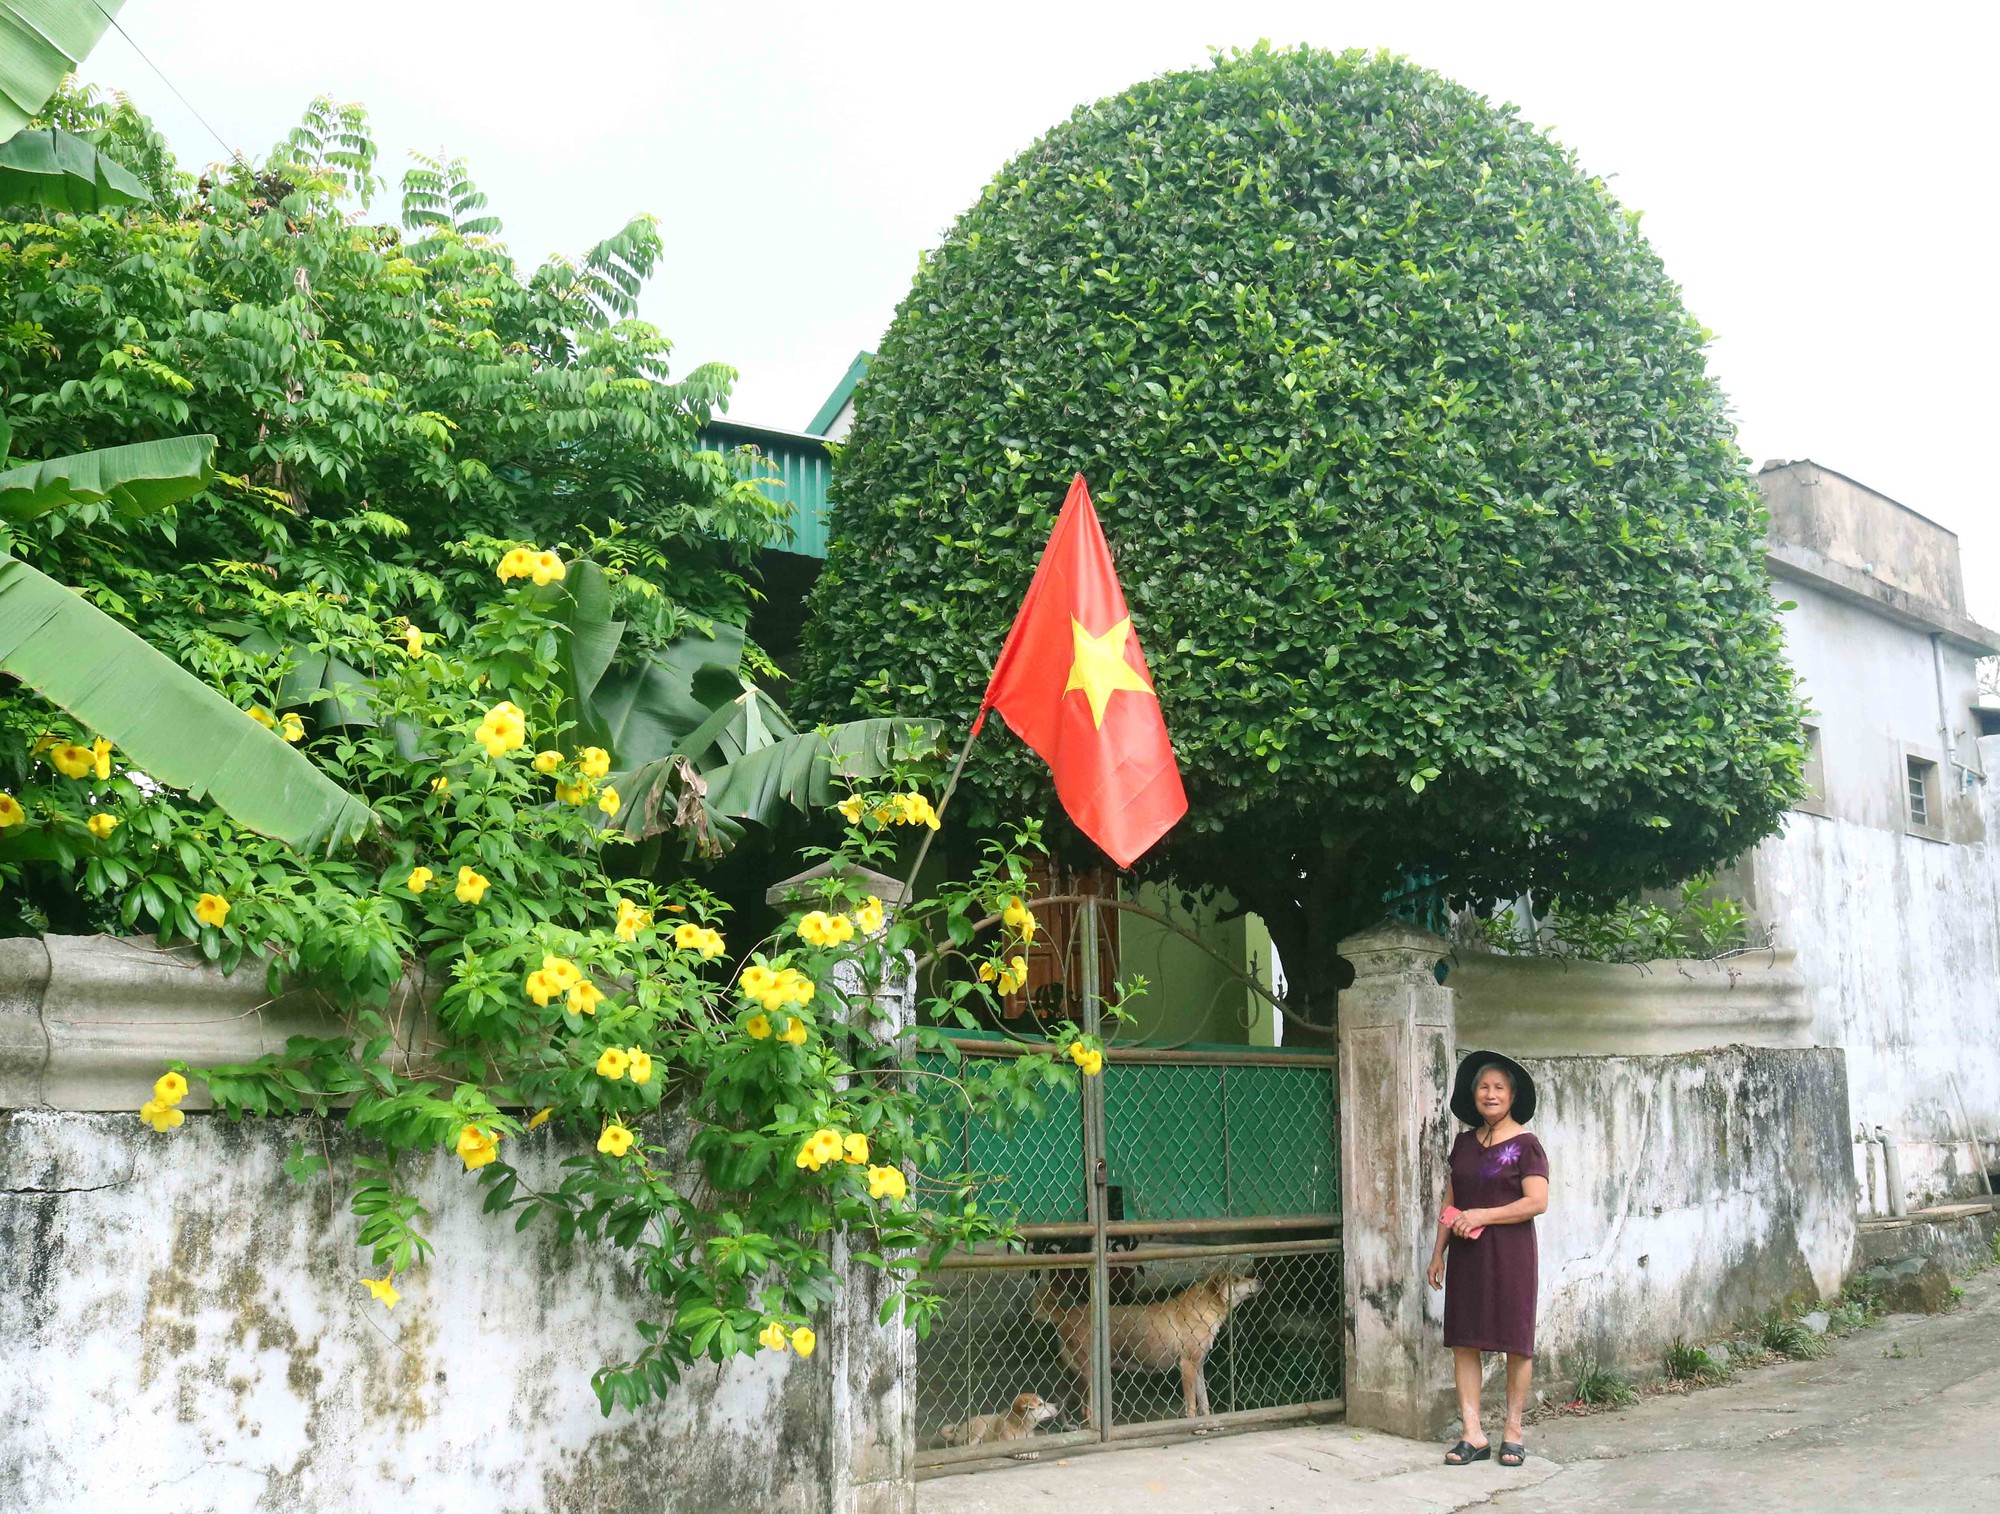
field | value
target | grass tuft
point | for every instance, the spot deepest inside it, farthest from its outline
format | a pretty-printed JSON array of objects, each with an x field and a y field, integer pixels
[
  {"x": 1601, "y": 1385},
  {"x": 1789, "y": 1337},
  {"x": 1690, "y": 1364}
]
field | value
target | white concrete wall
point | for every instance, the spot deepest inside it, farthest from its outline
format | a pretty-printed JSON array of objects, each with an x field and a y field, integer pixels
[{"x": 181, "y": 1328}]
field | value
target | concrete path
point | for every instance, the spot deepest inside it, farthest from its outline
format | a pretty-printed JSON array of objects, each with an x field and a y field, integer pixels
[{"x": 1904, "y": 1415}]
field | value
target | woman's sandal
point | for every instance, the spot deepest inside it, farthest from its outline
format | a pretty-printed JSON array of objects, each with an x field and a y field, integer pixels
[
  {"x": 1512, "y": 1453},
  {"x": 1466, "y": 1453}
]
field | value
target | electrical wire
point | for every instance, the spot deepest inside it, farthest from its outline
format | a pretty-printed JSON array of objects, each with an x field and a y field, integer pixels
[{"x": 233, "y": 152}]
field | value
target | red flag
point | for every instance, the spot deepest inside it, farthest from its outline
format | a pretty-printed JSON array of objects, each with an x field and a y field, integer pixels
[{"x": 1072, "y": 683}]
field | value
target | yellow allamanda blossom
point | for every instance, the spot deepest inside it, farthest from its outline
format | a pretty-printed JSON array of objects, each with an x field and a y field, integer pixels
[
  {"x": 211, "y": 909},
  {"x": 476, "y": 1147},
  {"x": 1019, "y": 918},
  {"x": 548, "y": 569},
  {"x": 170, "y": 1088},
  {"x": 100, "y": 751},
  {"x": 584, "y": 997},
  {"x": 73, "y": 761},
  {"x": 419, "y": 879},
  {"x": 292, "y": 728},
  {"x": 757, "y": 1027},
  {"x": 1014, "y": 976},
  {"x": 11, "y": 812},
  {"x": 263, "y": 717},
  {"x": 547, "y": 762},
  {"x": 413, "y": 641},
  {"x": 821, "y": 929},
  {"x": 854, "y": 1148},
  {"x": 1088, "y": 1059},
  {"x": 539, "y": 988},
  {"x": 612, "y": 1064},
  {"x": 384, "y": 1289},
  {"x": 608, "y": 800},
  {"x": 868, "y": 916},
  {"x": 820, "y": 1148},
  {"x": 503, "y": 730},
  {"x": 541, "y": 1118},
  {"x": 562, "y": 973},
  {"x": 794, "y": 1033},
  {"x": 772, "y": 1337},
  {"x": 439, "y": 785},
  {"x": 615, "y": 1141},
  {"x": 803, "y": 1341},
  {"x": 162, "y": 1117},
  {"x": 472, "y": 886},
  {"x": 101, "y": 825},
  {"x": 851, "y": 809},
  {"x": 774, "y": 989},
  {"x": 887, "y": 1183},
  {"x": 594, "y": 761},
  {"x": 575, "y": 793},
  {"x": 632, "y": 920},
  {"x": 638, "y": 1065},
  {"x": 913, "y": 809}
]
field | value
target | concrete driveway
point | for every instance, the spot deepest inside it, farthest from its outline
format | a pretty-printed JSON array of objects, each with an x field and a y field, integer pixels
[{"x": 1904, "y": 1415}]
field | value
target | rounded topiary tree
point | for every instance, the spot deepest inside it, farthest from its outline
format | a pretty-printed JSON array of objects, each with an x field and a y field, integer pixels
[{"x": 1430, "y": 515}]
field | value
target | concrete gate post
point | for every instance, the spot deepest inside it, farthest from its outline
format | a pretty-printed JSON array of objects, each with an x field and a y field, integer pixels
[
  {"x": 871, "y": 1367},
  {"x": 1397, "y": 1044}
]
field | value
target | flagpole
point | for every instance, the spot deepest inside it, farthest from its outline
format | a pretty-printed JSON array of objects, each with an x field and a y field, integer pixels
[{"x": 951, "y": 784}]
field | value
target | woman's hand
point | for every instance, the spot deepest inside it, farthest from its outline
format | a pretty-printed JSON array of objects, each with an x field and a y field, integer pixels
[
  {"x": 1437, "y": 1269},
  {"x": 1468, "y": 1221}
]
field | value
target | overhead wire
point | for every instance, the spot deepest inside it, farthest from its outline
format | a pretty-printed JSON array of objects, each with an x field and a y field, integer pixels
[{"x": 235, "y": 153}]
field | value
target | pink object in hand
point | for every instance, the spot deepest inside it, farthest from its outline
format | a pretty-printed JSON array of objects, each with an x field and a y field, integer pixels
[{"x": 1452, "y": 1212}]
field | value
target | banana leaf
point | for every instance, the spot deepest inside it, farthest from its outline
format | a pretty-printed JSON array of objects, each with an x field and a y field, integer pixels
[
  {"x": 337, "y": 692},
  {"x": 40, "y": 41},
  {"x": 166, "y": 721},
  {"x": 138, "y": 480},
  {"x": 58, "y": 170}
]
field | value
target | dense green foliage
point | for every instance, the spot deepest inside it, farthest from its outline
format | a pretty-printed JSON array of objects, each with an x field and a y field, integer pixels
[
  {"x": 1698, "y": 921},
  {"x": 1431, "y": 519}
]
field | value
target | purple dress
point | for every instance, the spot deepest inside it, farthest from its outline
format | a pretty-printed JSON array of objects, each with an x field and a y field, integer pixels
[{"x": 1489, "y": 1284}]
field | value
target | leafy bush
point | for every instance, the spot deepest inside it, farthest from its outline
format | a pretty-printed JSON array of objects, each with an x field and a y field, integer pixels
[
  {"x": 1702, "y": 923},
  {"x": 1429, "y": 513}
]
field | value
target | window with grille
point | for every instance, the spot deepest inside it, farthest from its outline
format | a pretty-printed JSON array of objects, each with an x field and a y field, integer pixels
[{"x": 1922, "y": 792}]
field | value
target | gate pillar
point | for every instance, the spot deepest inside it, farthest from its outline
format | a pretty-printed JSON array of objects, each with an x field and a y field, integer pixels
[
  {"x": 1397, "y": 1042},
  {"x": 870, "y": 1367}
]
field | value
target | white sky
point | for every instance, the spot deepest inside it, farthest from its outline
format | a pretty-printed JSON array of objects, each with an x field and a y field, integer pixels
[{"x": 1823, "y": 189}]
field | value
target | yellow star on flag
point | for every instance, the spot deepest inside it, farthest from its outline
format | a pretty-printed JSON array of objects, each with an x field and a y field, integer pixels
[{"x": 1100, "y": 668}]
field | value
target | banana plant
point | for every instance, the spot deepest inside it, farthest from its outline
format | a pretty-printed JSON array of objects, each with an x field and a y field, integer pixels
[
  {"x": 170, "y": 724},
  {"x": 40, "y": 42}
]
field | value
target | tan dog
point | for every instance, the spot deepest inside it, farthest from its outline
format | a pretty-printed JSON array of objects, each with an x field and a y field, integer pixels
[
  {"x": 1018, "y": 1423},
  {"x": 1176, "y": 1332}
]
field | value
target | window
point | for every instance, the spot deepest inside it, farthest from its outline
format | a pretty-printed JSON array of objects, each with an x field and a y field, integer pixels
[
  {"x": 1813, "y": 770},
  {"x": 1922, "y": 791}
]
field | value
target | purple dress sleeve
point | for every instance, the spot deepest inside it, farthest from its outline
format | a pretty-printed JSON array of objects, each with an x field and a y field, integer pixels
[{"x": 1534, "y": 1160}]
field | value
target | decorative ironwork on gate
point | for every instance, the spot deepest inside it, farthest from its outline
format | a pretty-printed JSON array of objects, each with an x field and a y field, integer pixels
[{"x": 1181, "y": 1249}]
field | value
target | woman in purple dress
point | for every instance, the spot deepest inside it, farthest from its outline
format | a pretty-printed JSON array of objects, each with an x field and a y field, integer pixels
[{"x": 1499, "y": 1182}]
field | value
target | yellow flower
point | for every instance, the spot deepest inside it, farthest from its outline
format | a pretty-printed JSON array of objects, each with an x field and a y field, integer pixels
[
  {"x": 547, "y": 762},
  {"x": 772, "y": 1337},
  {"x": 1089, "y": 1060},
  {"x": 757, "y": 982},
  {"x": 539, "y": 988},
  {"x": 563, "y": 974},
  {"x": 632, "y": 920},
  {"x": 612, "y": 1064},
  {"x": 711, "y": 945},
  {"x": 757, "y": 1027},
  {"x": 548, "y": 569},
  {"x": 439, "y": 785},
  {"x": 988, "y": 972},
  {"x": 73, "y": 761},
  {"x": 162, "y": 1117},
  {"x": 854, "y": 1148},
  {"x": 821, "y": 929},
  {"x": 887, "y": 1183},
  {"x": 615, "y": 1141},
  {"x": 413, "y": 642},
  {"x": 384, "y": 1289},
  {"x": 595, "y": 761},
  {"x": 101, "y": 825},
  {"x": 170, "y": 1088},
  {"x": 585, "y": 997},
  {"x": 504, "y": 729},
  {"x": 1014, "y": 977},
  {"x": 608, "y": 801},
  {"x": 913, "y": 809},
  {"x": 518, "y": 563},
  {"x": 850, "y": 809},
  {"x": 541, "y": 1118},
  {"x": 101, "y": 750},
  {"x": 794, "y": 1033},
  {"x": 263, "y": 717},
  {"x": 471, "y": 886},
  {"x": 11, "y": 812},
  {"x": 639, "y": 1066},
  {"x": 211, "y": 909},
  {"x": 1019, "y": 918},
  {"x": 292, "y": 728},
  {"x": 868, "y": 918},
  {"x": 574, "y": 793},
  {"x": 476, "y": 1147},
  {"x": 803, "y": 1341},
  {"x": 794, "y": 987},
  {"x": 821, "y": 1147},
  {"x": 687, "y": 936},
  {"x": 419, "y": 879}
]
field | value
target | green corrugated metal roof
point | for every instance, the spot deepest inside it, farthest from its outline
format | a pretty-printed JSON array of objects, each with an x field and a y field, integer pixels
[
  {"x": 804, "y": 467},
  {"x": 856, "y": 372}
]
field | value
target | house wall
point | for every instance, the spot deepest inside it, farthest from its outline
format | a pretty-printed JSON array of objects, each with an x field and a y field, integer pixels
[{"x": 1191, "y": 996}]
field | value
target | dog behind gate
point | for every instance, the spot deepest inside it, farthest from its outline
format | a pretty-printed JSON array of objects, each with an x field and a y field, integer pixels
[
  {"x": 1157, "y": 1337},
  {"x": 1028, "y": 1412}
]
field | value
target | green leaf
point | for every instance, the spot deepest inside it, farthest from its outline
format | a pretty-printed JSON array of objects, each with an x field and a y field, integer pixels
[
  {"x": 60, "y": 171},
  {"x": 168, "y": 722},
  {"x": 137, "y": 480},
  {"x": 40, "y": 41}
]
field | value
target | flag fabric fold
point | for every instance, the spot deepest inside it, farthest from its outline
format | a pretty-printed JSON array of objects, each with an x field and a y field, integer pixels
[{"x": 1072, "y": 683}]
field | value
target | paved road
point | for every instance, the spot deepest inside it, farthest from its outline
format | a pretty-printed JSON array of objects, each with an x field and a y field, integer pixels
[{"x": 1903, "y": 1416}]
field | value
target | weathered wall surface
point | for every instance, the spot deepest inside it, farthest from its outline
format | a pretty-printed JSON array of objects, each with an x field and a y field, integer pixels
[
  {"x": 1687, "y": 1193},
  {"x": 181, "y": 1327}
]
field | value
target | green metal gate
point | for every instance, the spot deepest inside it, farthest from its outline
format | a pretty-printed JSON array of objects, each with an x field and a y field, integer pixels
[{"x": 1176, "y": 1180}]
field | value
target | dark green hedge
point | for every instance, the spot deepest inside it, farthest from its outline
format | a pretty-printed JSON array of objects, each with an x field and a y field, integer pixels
[{"x": 1430, "y": 515}]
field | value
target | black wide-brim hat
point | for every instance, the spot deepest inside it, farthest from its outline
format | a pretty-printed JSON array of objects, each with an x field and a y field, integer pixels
[{"x": 1469, "y": 1070}]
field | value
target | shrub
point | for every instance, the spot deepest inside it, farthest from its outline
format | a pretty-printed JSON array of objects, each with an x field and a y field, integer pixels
[{"x": 1600, "y": 1385}]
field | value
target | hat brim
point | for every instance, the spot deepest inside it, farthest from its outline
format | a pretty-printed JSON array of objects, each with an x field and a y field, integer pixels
[{"x": 1469, "y": 1069}]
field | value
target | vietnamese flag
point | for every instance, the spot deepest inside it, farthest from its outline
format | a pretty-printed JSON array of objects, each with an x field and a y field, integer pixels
[{"x": 1072, "y": 683}]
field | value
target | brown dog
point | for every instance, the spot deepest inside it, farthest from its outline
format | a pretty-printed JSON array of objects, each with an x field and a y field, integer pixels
[
  {"x": 1018, "y": 1423},
  {"x": 1175, "y": 1332}
]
